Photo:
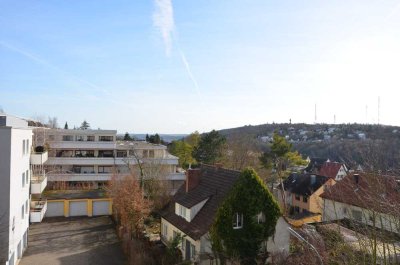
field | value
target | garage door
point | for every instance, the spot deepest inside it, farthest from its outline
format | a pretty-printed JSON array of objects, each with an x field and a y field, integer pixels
[
  {"x": 54, "y": 209},
  {"x": 100, "y": 208},
  {"x": 78, "y": 208}
]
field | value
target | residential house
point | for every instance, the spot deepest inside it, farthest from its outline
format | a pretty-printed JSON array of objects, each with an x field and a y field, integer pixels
[
  {"x": 192, "y": 212},
  {"x": 369, "y": 199},
  {"x": 19, "y": 180},
  {"x": 334, "y": 170},
  {"x": 300, "y": 196},
  {"x": 314, "y": 164}
]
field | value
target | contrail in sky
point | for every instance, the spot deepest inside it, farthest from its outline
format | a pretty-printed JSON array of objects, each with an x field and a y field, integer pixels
[
  {"x": 39, "y": 60},
  {"x": 163, "y": 19},
  {"x": 189, "y": 71}
]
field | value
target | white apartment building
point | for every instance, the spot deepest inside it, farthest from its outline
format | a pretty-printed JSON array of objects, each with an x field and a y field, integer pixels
[
  {"x": 91, "y": 157},
  {"x": 16, "y": 180}
]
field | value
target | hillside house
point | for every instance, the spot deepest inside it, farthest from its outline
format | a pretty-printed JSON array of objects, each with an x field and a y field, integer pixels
[
  {"x": 334, "y": 170},
  {"x": 302, "y": 196},
  {"x": 365, "y": 198},
  {"x": 192, "y": 211}
]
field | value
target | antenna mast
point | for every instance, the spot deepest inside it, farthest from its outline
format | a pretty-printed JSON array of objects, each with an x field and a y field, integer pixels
[
  {"x": 379, "y": 109},
  {"x": 315, "y": 113}
]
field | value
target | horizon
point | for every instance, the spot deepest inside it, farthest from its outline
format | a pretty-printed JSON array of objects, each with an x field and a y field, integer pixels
[{"x": 177, "y": 67}]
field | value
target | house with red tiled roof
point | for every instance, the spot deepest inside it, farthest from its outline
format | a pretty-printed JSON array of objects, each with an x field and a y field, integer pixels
[
  {"x": 193, "y": 208},
  {"x": 368, "y": 199},
  {"x": 333, "y": 170}
]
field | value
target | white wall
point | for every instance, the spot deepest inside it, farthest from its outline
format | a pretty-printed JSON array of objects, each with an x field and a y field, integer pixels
[
  {"x": 11, "y": 180},
  {"x": 336, "y": 211}
]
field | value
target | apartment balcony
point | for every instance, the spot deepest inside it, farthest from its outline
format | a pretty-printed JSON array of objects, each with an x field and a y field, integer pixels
[
  {"x": 39, "y": 158},
  {"x": 82, "y": 145},
  {"x": 38, "y": 183},
  {"x": 80, "y": 177},
  {"x": 108, "y": 161},
  {"x": 176, "y": 176},
  {"x": 38, "y": 210}
]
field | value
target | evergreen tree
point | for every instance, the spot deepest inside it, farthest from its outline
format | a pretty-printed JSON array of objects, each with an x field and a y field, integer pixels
[
  {"x": 210, "y": 147},
  {"x": 66, "y": 126},
  {"x": 147, "y": 138},
  {"x": 127, "y": 137},
  {"x": 85, "y": 125}
]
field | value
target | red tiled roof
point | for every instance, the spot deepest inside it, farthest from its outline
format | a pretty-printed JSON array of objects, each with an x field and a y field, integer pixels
[
  {"x": 374, "y": 192},
  {"x": 330, "y": 169}
]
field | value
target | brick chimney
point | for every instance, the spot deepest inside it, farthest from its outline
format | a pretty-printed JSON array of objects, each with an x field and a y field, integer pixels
[{"x": 192, "y": 178}]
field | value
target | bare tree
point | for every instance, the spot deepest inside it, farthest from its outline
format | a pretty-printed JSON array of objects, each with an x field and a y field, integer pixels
[
  {"x": 129, "y": 203},
  {"x": 52, "y": 122}
]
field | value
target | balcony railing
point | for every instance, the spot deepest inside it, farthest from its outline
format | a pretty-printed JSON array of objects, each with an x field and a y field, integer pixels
[
  {"x": 38, "y": 210},
  {"x": 39, "y": 158},
  {"x": 38, "y": 183}
]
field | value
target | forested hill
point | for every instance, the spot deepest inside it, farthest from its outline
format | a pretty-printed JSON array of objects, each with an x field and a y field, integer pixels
[{"x": 364, "y": 144}]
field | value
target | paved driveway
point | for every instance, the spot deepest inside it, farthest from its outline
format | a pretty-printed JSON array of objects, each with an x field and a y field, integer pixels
[{"x": 73, "y": 241}]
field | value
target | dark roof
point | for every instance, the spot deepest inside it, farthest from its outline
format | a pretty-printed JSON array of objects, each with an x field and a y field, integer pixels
[
  {"x": 303, "y": 184},
  {"x": 330, "y": 169},
  {"x": 315, "y": 164},
  {"x": 371, "y": 191},
  {"x": 215, "y": 184}
]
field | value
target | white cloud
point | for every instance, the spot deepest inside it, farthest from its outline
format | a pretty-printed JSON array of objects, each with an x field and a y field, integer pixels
[{"x": 163, "y": 19}]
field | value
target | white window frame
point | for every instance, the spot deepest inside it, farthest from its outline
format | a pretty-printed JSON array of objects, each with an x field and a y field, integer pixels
[
  {"x": 165, "y": 230},
  {"x": 238, "y": 221},
  {"x": 182, "y": 211}
]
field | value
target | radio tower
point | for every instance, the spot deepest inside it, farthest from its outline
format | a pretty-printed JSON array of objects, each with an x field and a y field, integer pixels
[
  {"x": 379, "y": 109},
  {"x": 366, "y": 114},
  {"x": 315, "y": 113}
]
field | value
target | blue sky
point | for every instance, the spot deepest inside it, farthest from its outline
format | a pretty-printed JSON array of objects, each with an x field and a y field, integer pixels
[{"x": 180, "y": 66}]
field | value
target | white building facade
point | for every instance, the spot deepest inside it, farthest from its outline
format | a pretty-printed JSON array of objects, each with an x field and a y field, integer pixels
[
  {"x": 15, "y": 175},
  {"x": 92, "y": 157}
]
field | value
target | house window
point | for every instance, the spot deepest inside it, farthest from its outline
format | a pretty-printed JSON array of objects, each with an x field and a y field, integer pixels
[
  {"x": 105, "y": 169},
  {"x": 151, "y": 153},
  {"x": 27, "y": 146},
  {"x": 145, "y": 153},
  {"x": 23, "y": 179},
  {"x": 23, "y": 212},
  {"x": 106, "y": 138},
  {"x": 297, "y": 197},
  {"x": 26, "y": 176},
  {"x": 344, "y": 211},
  {"x": 237, "y": 221},
  {"x": 79, "y": 138},
  {"x": 90, "y": 138},
  {"x": 174, "y": 234},
  {"x": 296, "y": 209},
  {"x": 165, "y": 230},
  {"x": 305, "y": 198},
  {"x": 182, "y": 211},
  {"x": 357, "y": 215},
  {"x": 26, "y": 206},
  {"x": 183, "y": 244},
  {"x": 68, "y": 138},
  {"x": 192, "y": 251},
  {"x": 23, "y": 147}
]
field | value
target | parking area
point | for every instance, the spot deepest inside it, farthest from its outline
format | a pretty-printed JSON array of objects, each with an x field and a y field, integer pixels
[{"x": 77, "y": 241}]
